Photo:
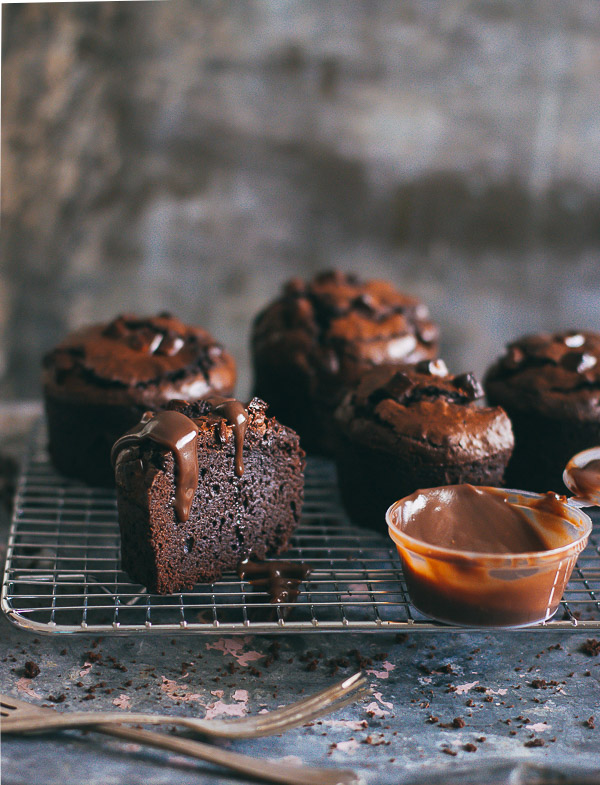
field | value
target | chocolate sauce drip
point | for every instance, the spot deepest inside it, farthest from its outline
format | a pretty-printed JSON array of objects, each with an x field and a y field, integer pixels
[
  {"x": 282, "y": 579},
  {"x": 178, "y": 433},
  {"x": 236, "y": 415},
  {"x": 586, "y": 478}
]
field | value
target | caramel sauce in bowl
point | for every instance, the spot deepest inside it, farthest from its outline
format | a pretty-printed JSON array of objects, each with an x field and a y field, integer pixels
[{"x": 468, "y": 586}]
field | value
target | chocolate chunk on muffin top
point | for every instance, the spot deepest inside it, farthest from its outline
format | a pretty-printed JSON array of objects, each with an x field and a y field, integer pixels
[
  {"x": 143, "y": 355},
  {"x": 426, "y": 409},
  {"x": 557, "y": 373}
]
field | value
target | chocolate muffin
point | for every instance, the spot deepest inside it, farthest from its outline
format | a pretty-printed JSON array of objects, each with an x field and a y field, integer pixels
[
  {"x": 101, "y": 379},
  {"x": 318, "y": 338},
  {"x": 549, "y": 386},
  {"x": 200, "y": 487},
  {"x": 416, "y": 427}
]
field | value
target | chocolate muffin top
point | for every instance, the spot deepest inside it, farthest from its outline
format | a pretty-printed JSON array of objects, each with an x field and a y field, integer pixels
[
  {"x": 425, "y": 412},
  {"x": 556, "y": 374},
  {"x": 338, "y": 325},
  {"x": 141, "y": 360}
]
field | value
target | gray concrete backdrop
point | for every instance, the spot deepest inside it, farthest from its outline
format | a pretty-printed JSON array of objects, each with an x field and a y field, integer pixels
[{"x": 192, "y": 155}]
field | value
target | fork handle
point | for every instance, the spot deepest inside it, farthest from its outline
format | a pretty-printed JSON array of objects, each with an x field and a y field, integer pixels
[
  {"x": 258, "y": 768},
  {"x": 79, "y": 719}
]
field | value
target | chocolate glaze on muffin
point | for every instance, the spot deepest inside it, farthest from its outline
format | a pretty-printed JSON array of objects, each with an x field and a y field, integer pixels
[
  {"x": 201, "y": 487},
  {"x": 100, "y": 380},
  {"x": 549, "y": 385},
  {"x": 416, "y": 427},
  {"x": 318, "y": 338}
]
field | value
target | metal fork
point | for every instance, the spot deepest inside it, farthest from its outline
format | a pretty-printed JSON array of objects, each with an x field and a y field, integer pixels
[{"x": 19, "y": 716}]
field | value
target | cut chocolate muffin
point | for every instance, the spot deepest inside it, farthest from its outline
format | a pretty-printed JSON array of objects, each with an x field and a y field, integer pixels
[
  {"x": 549, "y": 385},
  {"x": 101, "y": 379},
  {"x": 418, "y": 427},
  {"x": 318, "y": 338},
  {"x": 200, "y": 487}
]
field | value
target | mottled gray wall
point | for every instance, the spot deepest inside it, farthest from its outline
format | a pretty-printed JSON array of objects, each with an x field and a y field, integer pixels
[{"x": 192, "y": 155}]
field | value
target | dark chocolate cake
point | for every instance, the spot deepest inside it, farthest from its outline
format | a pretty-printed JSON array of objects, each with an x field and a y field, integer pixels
[
  {"x": 100, "y": 380},
  {"x": 419, "y": 427},
  {"x": 200, "y": 487},
  {"x": 318, "y": 338},
  {"x": 549, "y": 386}
]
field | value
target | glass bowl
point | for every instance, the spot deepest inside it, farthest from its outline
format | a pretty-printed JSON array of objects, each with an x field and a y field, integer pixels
[{"x": 489, "y": 589}]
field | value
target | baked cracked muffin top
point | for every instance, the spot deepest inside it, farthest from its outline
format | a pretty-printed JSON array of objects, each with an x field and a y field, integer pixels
[
  {"x": 557, "y": 374},
  {"x": 338, "y": 324},
  {"x": 319, "y": 337},
  {"x": 138, "y": 360},
  {"x": 429, "y": 413}
]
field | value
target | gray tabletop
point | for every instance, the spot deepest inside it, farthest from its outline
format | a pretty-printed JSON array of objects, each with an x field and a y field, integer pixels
[{"x": 445, "y": 707}]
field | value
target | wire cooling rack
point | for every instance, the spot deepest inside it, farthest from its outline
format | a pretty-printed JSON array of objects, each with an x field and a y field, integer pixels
[{"x": 62, "y": 571}]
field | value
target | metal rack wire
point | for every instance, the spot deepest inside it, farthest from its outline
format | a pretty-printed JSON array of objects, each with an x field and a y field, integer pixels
[{"x": 62, "y": 572}]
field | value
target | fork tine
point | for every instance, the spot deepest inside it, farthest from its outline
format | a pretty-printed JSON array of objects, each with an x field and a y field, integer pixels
[
  {"x": 299, "y": 713},
  {"x": 306, "y": 716},
  {"x": 322, "y": 696},
  {"x": 321, "y": 699}
]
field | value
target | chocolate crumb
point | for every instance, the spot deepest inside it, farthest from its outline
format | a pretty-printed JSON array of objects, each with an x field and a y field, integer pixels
[
  {"x": 57, "y": 698},
  {"x": 375, "y": 741},
  {"x": 449, "y": 751},
  {"x": 31, "y": 669},
  {"x": 590, "y": 722},
  {"x": 469, "y": 747},
  {"x": 458, "y": 722},
  {"x": 591, "y": 647},
  {"x": 535, "y": 743}
]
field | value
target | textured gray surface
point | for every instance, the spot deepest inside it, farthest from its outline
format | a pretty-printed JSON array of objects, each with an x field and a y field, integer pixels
[
  {"x": 413, "y": 679},
  {"x": 193, "y": 155},
  {"x": 415, "y": 689}
]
